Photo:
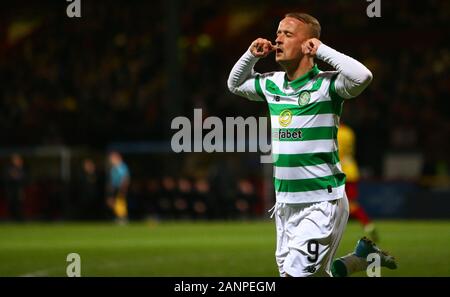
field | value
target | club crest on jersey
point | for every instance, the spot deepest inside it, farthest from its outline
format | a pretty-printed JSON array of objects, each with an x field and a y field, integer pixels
[
  {"x": 304, "y": 98},
  {"x": 285, "y": 118}
]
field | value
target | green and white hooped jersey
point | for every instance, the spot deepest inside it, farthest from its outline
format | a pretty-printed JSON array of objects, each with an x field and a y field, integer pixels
[{"x": 305, "y": 118}]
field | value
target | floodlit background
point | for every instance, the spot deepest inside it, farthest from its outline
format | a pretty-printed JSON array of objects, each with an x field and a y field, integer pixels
[{"x": 74, "y": 89}]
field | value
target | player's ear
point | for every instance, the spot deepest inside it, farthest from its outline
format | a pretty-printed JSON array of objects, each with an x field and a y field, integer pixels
[{"x": 305, "y": 49}]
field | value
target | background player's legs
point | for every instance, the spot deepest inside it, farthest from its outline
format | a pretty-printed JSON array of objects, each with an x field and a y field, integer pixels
[
  {"x": 357, "y": 261},
  {"x": 121, "y": 208},
  {"x": 358, "y": 212}
]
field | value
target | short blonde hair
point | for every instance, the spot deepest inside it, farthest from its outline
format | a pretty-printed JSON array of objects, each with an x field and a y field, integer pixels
[{"x": 312, "y": 22}]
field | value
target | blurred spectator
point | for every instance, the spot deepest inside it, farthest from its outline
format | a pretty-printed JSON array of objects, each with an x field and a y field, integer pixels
[
  {"x": 436, "y": 170},
  {"x": 89, "y": 191},
  {"x": 222, "y": 175},
  {"x": 135, "y": 200},
  {"x": 15, "y": 179},
  {"x": 183, "y": 199},
  {"x": 203, "y": 206},
  {"x": 245, "y": 199},
  {"x": 166, "y": 198},
  {"x": 152, "y": 192}
]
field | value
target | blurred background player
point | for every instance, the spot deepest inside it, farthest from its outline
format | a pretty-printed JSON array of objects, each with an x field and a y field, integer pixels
[
  {"x": 15, "y": 179},
  {"x": 119, "y": 181},
  {"x": 346, "y": 140}
]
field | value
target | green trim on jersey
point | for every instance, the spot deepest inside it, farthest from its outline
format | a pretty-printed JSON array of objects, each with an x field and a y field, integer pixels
[
  {"x": 309, "y": 184},
  {"x": 316, "y": 85},
  {"x": 272, "y": 88},
  {"x": 316, "y": 133},
  {"x": 309, "y": 159},
  {"x": 259, "y": 89},
  {"x": 315, "y": 108},
  {"x": 302, "y": 80}
]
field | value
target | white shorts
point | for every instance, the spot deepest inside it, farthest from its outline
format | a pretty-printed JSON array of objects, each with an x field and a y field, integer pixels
[{"x": 308, "y": 235}]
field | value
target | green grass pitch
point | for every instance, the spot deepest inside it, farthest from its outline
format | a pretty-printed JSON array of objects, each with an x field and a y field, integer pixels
[{"x": 243, "y": 248}]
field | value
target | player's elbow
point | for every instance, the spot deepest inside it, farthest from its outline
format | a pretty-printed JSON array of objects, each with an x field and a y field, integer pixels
[
  {"x": 230, "y": 86},
  {"x": 356, "y": 87},
  {"x": 364, "y": 80},
  {"x": 367, "y": 77}
]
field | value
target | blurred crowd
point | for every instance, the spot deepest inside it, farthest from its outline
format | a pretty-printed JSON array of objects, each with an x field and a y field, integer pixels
[
  {"x": 183, "y": 198},
  {"x": 95, "y": 193}
]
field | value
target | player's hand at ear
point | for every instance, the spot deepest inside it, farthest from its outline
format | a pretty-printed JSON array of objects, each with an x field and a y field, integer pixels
[
  {"x": 261, "y": 47},
  {"x": 310, "y": 46}
]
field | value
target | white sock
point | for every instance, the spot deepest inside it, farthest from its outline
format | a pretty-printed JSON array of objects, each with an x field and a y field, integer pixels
[{"x": 354, "y": 263}]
